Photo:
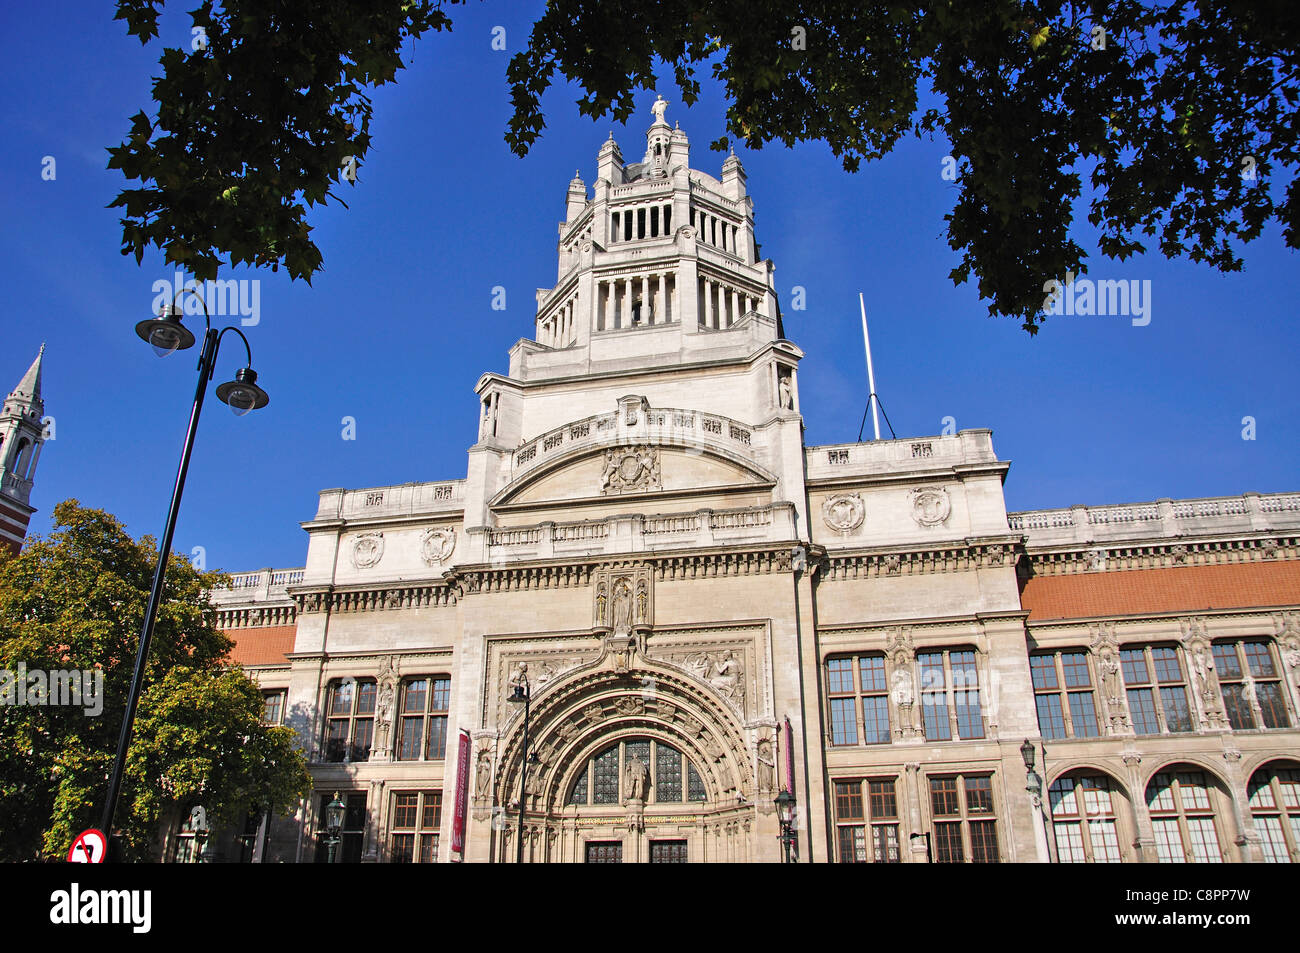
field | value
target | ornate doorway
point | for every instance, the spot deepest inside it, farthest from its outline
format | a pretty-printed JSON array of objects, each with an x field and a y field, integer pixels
[{"x": 642, "y": 766}]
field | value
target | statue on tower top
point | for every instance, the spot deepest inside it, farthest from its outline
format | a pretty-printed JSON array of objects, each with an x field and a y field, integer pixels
[{"x": 660, "y": 104}]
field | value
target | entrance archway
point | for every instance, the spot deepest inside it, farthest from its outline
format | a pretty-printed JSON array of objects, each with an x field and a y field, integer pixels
[{"x": 676, "y": 780}]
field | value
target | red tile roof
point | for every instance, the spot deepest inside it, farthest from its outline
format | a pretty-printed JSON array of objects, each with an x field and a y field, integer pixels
[
  {"x": 262, "y": 645},
  {"x": 1177, "y": 589}
]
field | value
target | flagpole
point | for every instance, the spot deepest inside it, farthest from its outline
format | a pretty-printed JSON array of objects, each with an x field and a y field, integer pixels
[{"x": 871, "y": 374}]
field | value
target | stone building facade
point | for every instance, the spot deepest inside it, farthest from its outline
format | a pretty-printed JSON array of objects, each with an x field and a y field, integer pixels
[{"x": 704, "y": 611}]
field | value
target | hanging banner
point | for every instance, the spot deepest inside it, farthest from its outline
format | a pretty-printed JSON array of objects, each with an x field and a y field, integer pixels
[
  {"x": 789, "y": 756},
  {"x": 462, "y": 794}
]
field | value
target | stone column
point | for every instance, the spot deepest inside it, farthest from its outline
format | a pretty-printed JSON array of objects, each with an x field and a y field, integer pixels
[
  {"x": 1144, "y": 837},
  {"x": 626, "y": 320},
  {"x": 708, "y": 307},
  {"x": 661, "y": 303},
  {"x": 735, "y": 306},
  {"x": 645, "y": 298},
  {"x": 918, "y": 852}
]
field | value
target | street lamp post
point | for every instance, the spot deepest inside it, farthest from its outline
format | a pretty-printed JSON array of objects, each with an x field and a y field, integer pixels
[
  {"x": 333, "y": 826},
  {"x": 1034, "y": 785},
  {"x": 166, "y": 333},
  {"x": 522, "y": 694},
  {"x": 785, "y": 803}
]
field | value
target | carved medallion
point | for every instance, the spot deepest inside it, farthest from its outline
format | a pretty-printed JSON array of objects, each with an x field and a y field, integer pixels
[
  {"x": 367, "y": 550},
  {"x": 436, "y": 545},
  {"x": 631, "y": 470},
  {"x": 931, "y": 506},
  {"x": 843, "y": 512}
]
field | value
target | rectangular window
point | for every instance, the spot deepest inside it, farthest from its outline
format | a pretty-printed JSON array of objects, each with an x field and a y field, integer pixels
[
  {"x": 273, "y": 708},
  {"x": 422, "y": 729},
  {"x": 866, "y": 826},
  {"x": 413, "y": 827},
  {"x": 668, "y": 852},
  {"x": 350, "y": 722},
  {"x": 950, "y": 683},
  {"x": 857, "y": 686},
  {"x": 934, "y": 697},
  {"x": 964, "y": 823},
  {"x": 352, "y": 833},
  {"x": 1252, "y": 690},
  {"x": 604, "y": 852},
  {"x": 1063, "y": 693},
  {"x": 1161, "y": 704}
]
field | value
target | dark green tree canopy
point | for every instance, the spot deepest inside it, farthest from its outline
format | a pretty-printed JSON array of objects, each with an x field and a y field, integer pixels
[
  {"x": 75, "y": 601},
  {"x": 1181, "y": 114}
]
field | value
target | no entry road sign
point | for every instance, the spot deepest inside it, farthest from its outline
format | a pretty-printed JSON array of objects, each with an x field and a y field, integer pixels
[{"x": 90, "y": 847}]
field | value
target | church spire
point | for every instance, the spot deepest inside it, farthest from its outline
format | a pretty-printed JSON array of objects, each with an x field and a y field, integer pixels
[
  {"x": 22, "y": 432},
  {"x": 30, "y": 386}
]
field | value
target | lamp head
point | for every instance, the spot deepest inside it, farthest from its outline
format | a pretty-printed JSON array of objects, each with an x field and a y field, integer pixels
[
  {"x": 785, "y": 806},
  {"x": 1027, "y": 752},
  {"x": 166, "y": 333},
  {"x": 334, "y": 814},
  {"x": 243, "y": 394}
]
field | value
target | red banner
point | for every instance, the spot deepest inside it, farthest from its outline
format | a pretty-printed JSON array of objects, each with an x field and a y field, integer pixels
[
  {"x": 789, "y": 756},
  {"x": 462, "y": 794}
]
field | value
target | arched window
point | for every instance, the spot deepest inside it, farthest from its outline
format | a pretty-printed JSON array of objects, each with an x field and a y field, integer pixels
[
  {"x": 1083, "y": 820},
  {"x": 1181, "y": 804},
  {"x": 670, "y": 777},
  {"x": 1274, "y": 795}
]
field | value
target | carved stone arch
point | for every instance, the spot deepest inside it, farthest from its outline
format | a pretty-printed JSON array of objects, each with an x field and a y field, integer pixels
[
  {"x": 1271, "y": 760},
  {"x": 578, "y": 717},
  {"x": 1216, "y": 774},
  {"x": 760, "y": 475},
  {"x": 1114, "y": 773}
]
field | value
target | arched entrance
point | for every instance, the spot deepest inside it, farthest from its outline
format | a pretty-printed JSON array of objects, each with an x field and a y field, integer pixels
[{"x": 644, "y": 766}]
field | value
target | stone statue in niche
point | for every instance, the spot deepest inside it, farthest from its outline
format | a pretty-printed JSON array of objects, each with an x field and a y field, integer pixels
[
  {"x": 766, "y": 766},
  {"x": 642, "y": 601},
  {"x": 636, "y": 774},
  {"x": 786, "y": 392},
  {"x": 1105, "y": 648},
  {"x": 483, "y": 774},
  {"x": 602, "y": 598},
  {"x": 622, "y": 607}
]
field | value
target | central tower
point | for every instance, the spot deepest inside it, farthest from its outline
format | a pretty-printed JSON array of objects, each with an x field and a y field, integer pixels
[{"x": 661, "y": 301}]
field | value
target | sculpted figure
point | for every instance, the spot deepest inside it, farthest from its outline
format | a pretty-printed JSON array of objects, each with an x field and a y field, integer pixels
[
  {"x": 483, "y": 777},
  {"x": 635, "y": 779},
  {"x": 766, "y": 766},
  {"x": 902, "y": 684},
  {"x": 622, "y": 607}
]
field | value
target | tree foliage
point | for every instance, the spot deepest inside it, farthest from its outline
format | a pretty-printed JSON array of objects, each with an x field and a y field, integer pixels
[
  {"x": 1181, "y": 114},
  {"x": 75, "y": 600}
]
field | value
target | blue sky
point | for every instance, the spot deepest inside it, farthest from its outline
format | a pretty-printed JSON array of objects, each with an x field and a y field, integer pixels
[{"x": 398, "y": 327}]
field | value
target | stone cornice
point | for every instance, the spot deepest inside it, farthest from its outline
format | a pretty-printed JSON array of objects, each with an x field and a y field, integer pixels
[
  {"x": 541, "y": 574},
  {"x": 1160, "y": 554},
  {"x": 915, "y": 559}
]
